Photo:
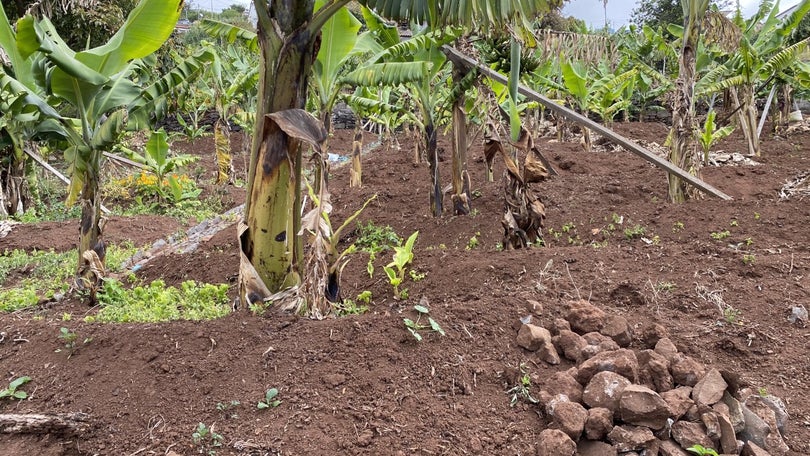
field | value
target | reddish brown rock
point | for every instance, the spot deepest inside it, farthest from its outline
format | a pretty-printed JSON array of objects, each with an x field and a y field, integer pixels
[
  {"x": 604, "y": 390},
  {"x": 592, "y": 448},
  {"x": 554, "y": 442},
  {"x": 654, "y": 371},
  {"x": 686, "y": 371},
  {"x": 643, "y": 407},
  {"x": 569, "y": 417},
  {"x": 709, "y": 390},
  {"x": 599, "y": 423},
  {"x": 671, "y": 448},
  {"x": 532, "y": 337},
  {"x": 622, "y": 362},
  {"x": 617, "y": 328},
  {"x": 679, "y": 401},
  {"x": 752, "y": 449},
  {"x": 563, "y": 383},
  {"x": 653, "y": 333},
  {"x": 570, "y": 345},
  {"x": 689, "y": 433},
  {"x": 585, "y": 317},
  {"x": 666, "y": 348},
  {"x": 632, "y": 438}
]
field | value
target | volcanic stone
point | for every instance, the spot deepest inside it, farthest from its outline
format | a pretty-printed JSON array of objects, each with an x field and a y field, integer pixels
[
  {"x": 709, "y": 390},
  {"x": 532, "y": 337},
  {"x": 690, "y": 433},
  {"x": 554, "y": 442},
  {"x": 654, "y": 371},
  {"x": 599, "y": 423},
  {"x": 604, "y": 390},
  {"x": 622, "y": 362},
  {"x": 569, "y": 417},
  {"x": 563, "y": 383},
  {"x": 592, "y": 448},
  {"x": 585, "y": 317},
  {"x": 686, "y": 371},
  {"x": 679, "y": 400},
  {"x": 666, "y": 348},
  {"x": 643, "y": 407},
  {"x": 671, "y": 448},
  {"x": 570, "y": 344},
  {"x": 617, "y": 328},
  {"x": 631, "y": 438}
]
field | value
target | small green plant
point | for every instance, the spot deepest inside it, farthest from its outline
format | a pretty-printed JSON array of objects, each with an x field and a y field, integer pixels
[
  {"x": 364, "y": 297},
  {"x": 677, "y": 226},
  {"x": 395, "y": 270},
  {"x": 69, "y": 338},
  {"x": 228, "y": 408},
  {"x": 757, "y": 216},
  {"x": 700, "y": 450},
  {"x": 206, "y": 439},
  {"x": 665, "y": 286},
  {"x": 720, "y": 235},
  {"x": 522, "y": 390},
  {"x": 710, "y": 134},
  {"x": 749, "y": 259},
  {"x": 636, "y": 231},
  {"x": 270, "y": 400},
  {"x": 373, "y": 239},
  {"x": 762, "y": 391},
  {"x": 734, "y": 222},
  {"x": 473, "y": 242},
  {"x": 415, "y": 326},
  {"x": 349, "y": 307},
  {"x": 13, "y": 391},
  {"x": 749, "y": 242},
  {"x": 570, "y": 226},
  {"x": 731, "y": 315}
]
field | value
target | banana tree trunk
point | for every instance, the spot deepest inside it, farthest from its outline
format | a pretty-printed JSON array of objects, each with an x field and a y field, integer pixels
[
  {"x": 13, "y": 195},
  {"x": 356, "y": 174},
  {"x": 744, "y": 99},
  {"x": 433, "y": 164},
  {"x": 682, "y": 152},
  {"x": 271, "y": 247},
  {"x": 90, "y": 270},
  {"x": 222, "y": 145},
  {"x": 461, "y": 179}
]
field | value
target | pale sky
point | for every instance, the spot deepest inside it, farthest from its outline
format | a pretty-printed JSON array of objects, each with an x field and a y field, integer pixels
[
  {"x": 591, "y": 11},
  {"x": 618, "y": 11}
]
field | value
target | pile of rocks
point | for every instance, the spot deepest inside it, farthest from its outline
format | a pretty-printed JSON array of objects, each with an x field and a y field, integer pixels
[{"x": 622, "y": 399}]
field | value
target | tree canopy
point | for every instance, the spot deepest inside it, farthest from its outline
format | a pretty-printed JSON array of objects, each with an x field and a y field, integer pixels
[{"x": 665, "y": 12}]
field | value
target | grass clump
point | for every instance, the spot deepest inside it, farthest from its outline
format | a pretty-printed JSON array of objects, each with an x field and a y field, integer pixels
[
  {"x": 45, "y": 274},
  {"x": 156, "y": 302}
]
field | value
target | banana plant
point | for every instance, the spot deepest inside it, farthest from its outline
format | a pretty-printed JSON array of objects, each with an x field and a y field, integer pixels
[
  {"x": 762, "y": 59},
  {"x": 271, "y": 246},
  {"x": 417, "y": 65},
  {"x": 96, "y": 84},
  {"x": 711, "y": 134},
  {"x": 25, "y": 116},
  {"x": 683, "y": 111}
]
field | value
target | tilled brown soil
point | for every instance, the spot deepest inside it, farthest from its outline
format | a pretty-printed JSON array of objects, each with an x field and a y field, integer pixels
[{"x": 362, "y": 385}]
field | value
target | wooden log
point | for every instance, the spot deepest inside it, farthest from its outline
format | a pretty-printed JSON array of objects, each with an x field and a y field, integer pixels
[
  {"x": 62, "y": 424},
  {"x": 572, "y": 115}
]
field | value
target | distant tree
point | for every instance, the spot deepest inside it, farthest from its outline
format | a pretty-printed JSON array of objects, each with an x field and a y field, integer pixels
[
  {"x": 665, "y": 12},
  {"x": 81, "y": 23}
]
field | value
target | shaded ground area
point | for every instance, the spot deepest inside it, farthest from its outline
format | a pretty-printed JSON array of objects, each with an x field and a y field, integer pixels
[{"x": 362, "y": 385}]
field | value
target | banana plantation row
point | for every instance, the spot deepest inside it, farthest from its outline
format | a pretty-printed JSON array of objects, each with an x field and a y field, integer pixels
[{"x": 305, "y": 58}]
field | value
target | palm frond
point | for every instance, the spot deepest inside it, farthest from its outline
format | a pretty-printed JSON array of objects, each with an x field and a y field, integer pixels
[
  {"x": 389, "y": 73},
  {"x": 784, "y": 58},
  {"x": 230, "y": 32}
]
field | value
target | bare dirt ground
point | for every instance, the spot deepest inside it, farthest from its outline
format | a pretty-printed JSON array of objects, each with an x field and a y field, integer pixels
[{"x": 362, "y": 385}]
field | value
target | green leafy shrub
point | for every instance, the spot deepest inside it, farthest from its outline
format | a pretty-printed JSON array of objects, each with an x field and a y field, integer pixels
[{"x": 156, "y": 302}]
